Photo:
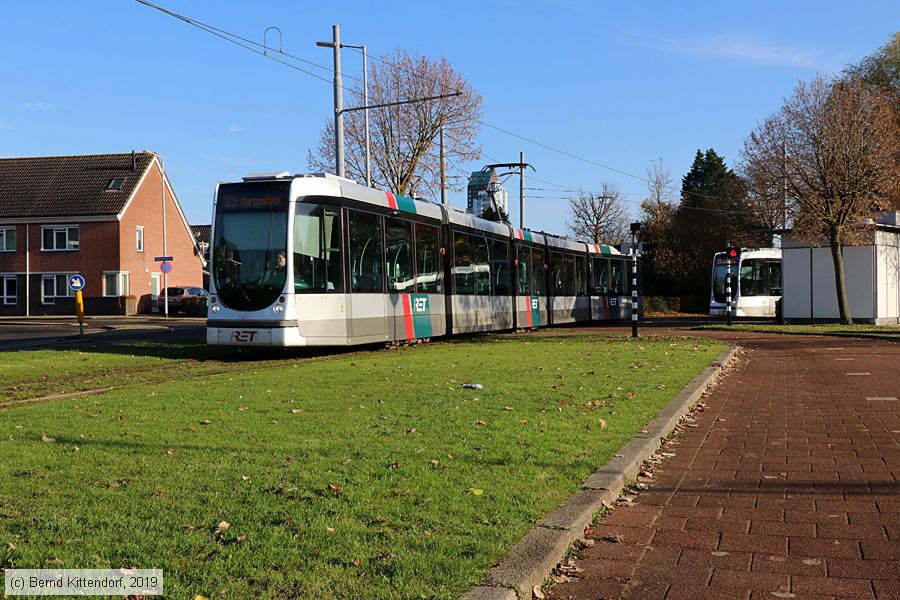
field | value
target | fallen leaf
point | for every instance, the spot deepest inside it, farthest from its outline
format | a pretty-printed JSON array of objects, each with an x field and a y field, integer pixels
[
  {"x": 294, "y": 411},
  {"x": 356, "y": 563},
  {"x": 537, "y": 593},
  {"x": 329, "y": 529},
  {"x": 240, "y": 538},
  {"x": 206, "y": 422},
  {"x": 245, "y": 478},
  {"x": 199, "y": 597},
  {"x": 475, "y": 491},
  {"x": 602, "y": 424},
  {"x": 223, "y": 525},
  {"x": 48, "y": 439},
  {"x": 170, "y": 452}
]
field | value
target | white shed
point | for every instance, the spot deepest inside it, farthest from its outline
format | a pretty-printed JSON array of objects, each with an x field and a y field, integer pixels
[{"x": 872, "y": 273}]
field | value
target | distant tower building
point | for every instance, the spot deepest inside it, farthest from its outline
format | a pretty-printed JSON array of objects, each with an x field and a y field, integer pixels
[{"x": 485, "y": 192}]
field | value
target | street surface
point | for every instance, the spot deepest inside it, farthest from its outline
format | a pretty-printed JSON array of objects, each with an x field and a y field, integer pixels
[{"x": 784, "y": 486}]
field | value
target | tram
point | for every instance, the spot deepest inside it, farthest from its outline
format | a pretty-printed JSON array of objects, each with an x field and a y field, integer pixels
[
  {"x": 755, "y": 283},
  {"x": 318, "y": 260}
]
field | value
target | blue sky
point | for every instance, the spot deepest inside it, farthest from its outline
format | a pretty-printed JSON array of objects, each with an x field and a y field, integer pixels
[{"x": 619, "y": 84}]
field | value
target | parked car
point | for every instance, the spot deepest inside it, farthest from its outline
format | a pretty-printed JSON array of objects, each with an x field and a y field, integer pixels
[{"x": 190, "y": 300}]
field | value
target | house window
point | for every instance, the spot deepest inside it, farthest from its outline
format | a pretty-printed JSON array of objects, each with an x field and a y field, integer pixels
[
  {"x": 56, "y": 238},
  {"x": 8, "y": 289},
  {"x": 139, "y": 239},
  {"x": 115, "y": 283},
  {"x": 55, "y": 286},
  {"x": 115, "y": 183},
  {"x": 7, "y": 239}
]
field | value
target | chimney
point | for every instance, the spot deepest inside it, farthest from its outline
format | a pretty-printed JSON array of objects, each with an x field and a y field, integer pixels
[{"x": 133, "y": 161}]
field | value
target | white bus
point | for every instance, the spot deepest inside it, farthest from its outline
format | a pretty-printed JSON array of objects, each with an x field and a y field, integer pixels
[{"x": 755, "y": 283}]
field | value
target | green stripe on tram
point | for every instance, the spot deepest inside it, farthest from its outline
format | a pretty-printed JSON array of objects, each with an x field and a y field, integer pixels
[
  {"x": 405, "y": 204},
  {"x": 526, "y": 235},
  {"x": 605, "y": 249},
  {"x": 421, "y": 314}
]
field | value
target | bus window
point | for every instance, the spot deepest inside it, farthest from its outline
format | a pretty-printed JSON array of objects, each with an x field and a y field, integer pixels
[
  {"x": 538, "y": 273},
  {"x": 482, "y": 267},
  {"x": 428, "y": 260},
  {"x": 523, "y": 270},
  {"x": 760, "y": 277},
  {"x": 500, "y": 268},
  {"x": 398, "y": 254},
  {"x": 317, "y": 249},
  {"x": 463, "y": 277},
  {"x": 366, "y": 260}
]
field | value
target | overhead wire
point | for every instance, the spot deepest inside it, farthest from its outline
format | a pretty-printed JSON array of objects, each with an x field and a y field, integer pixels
[{"x": 248, "y": 44}]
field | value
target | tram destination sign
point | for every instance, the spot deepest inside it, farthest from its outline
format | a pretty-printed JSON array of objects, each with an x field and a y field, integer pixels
[{"x": 255, "y": 196}]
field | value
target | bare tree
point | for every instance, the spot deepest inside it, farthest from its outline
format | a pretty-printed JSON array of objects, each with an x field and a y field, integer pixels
[
  {"x": 403, "y": 138},
  {"x": 836, "y": 146},
  {"x": 599, "y": 218}
]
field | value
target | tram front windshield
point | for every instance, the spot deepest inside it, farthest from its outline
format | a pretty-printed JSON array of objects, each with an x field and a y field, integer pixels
[{"x": 250, "y": 241}]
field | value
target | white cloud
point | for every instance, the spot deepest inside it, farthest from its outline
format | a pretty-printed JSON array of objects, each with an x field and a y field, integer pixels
[
  {"x": 32, "y": 105},
  {"x": 744, "y": 48},
  {"x": 232, "y": 129}
]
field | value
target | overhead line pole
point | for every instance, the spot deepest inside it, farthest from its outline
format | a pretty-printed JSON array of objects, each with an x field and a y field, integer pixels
[{"x": 521, "y": 190}]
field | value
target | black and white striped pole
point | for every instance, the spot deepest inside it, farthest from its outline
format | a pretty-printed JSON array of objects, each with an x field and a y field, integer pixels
[
  {"x": 730, "y": 254},
  {"x": 635, "y": 227}
]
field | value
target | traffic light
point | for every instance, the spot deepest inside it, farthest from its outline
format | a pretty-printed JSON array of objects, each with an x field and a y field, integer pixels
[{"x": 731, "y": 253}]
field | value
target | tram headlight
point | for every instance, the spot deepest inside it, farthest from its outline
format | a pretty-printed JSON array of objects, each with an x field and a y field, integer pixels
[
  {"x": 278, "y": 308},
  {"x": 215, "y": 308}
]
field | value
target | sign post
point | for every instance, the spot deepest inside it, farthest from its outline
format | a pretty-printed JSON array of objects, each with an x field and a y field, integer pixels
[
  {"x": 76, "y": 284},
  {"x": 731, "y": 253},
  {"x": 166, "y": 268}
]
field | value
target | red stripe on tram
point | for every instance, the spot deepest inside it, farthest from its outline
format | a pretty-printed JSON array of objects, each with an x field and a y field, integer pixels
[
  {"x": 407, "y": 317},
  {"x": 392, "y": 201},
  {"x": 528, "y": 309}
]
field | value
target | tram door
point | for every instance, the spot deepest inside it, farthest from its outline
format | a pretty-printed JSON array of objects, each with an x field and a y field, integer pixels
[{"x": 367, "y": 281}]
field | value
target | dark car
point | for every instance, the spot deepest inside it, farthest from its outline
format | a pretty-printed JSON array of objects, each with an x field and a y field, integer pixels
[{"x": 191, "y": 300}]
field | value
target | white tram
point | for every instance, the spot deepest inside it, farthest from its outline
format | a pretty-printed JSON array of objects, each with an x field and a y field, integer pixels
[
  {"x": 755, "y": 283},
  {"x": 317, "y": 260}
]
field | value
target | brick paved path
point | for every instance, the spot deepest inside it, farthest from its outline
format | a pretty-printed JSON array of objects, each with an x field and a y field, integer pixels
[{"x": 787, "y": 485}]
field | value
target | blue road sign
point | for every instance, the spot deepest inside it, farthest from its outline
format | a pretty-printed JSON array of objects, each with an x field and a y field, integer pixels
[
  {"x": 164, "y": 259},
  {"x": 165, "y": 267},
  {"x": 76, "y": 282}
]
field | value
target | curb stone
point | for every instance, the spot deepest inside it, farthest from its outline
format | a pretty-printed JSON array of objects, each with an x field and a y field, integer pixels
[{"x": 532, "y": 558}]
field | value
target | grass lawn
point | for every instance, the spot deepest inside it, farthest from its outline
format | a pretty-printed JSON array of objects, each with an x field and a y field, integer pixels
[
  {"x": 358, "y": 475},
  {"x": 820, "y": 328}
]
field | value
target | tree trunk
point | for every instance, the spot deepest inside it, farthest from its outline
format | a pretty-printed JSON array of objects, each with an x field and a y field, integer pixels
[{"x": 837, "y": 256}]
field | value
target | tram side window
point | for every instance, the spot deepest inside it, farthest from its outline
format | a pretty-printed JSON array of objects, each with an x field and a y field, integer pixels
[
  {"x": 580, "y": 276},
  {"x": 556, "y": 274},
  {"x": 366, "y": 260},
  {"x": 773, "y": 275},
  {"x": 428, "y": 260},
  {"x": 523, "y": 270},
  {"x": 398, "y": 253},
  {"x": 538, "y": 273},
  {"x": 617, "y": 277},
  {"x": 601, "y": 276},
  {"x": 482, "y": 267},
  {"x": 317, "y": 250},
  {"x": 463, "y": 272},
  {"x": 500, "y": 267}
]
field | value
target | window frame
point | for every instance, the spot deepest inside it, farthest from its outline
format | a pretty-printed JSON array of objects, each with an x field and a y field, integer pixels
[
  {"x": 4, "y": 280},
  {"x": 122, "y": 284},
  {"x": 352, "y": 249},
  {"x": 419, "y": 247},
  {"x": 4, "y": 235},
  {"x": 139, "y": 238},
  {"x": 55, "y": 278},
  {"x": 56, "y": 229}
]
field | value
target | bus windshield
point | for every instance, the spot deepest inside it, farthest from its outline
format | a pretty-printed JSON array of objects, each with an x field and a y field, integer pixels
[{"x": 249, "y": 263}]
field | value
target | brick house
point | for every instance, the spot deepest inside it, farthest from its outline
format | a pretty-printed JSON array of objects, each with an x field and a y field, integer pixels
[{"x": 98, "y": 215}]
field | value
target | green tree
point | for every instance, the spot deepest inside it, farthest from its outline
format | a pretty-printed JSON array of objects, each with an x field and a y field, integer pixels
[
  {"x": 713, "y": 211},
  {"x": 882, "y": 69}
]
